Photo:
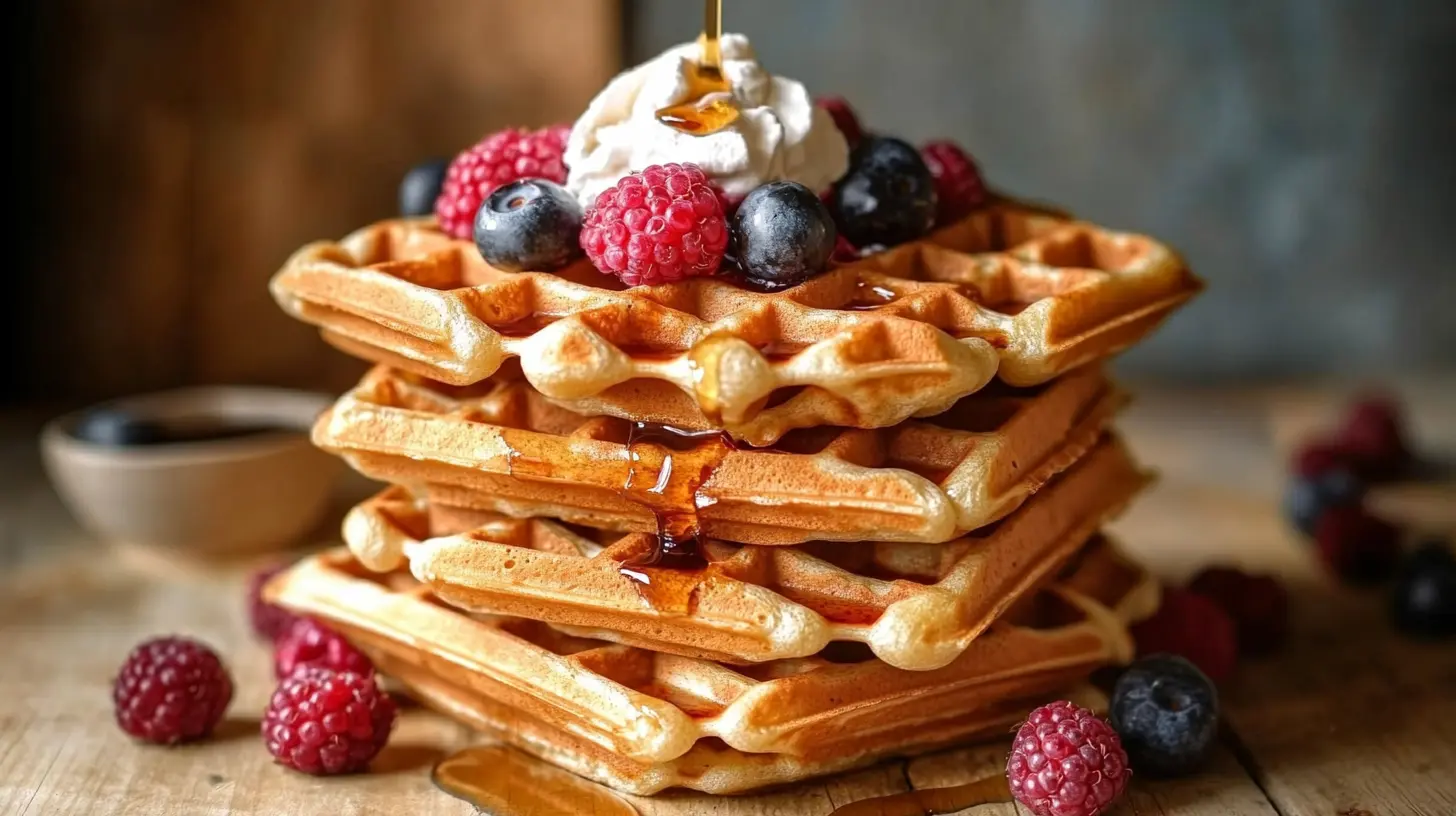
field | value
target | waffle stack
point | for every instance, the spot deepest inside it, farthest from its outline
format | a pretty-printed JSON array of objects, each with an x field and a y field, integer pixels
[{"x": 696, "y": 535}]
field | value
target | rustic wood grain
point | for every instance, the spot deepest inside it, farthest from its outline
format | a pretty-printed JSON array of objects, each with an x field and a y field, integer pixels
[{"x": 1350, "y": 718}]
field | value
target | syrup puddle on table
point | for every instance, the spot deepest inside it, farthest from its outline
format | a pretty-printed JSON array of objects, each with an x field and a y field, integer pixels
[
  {"x": 931, "y": 801},
  {"x": 502, "y": 781}
]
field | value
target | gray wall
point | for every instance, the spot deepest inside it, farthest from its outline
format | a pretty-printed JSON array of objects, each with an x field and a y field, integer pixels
[{"x": 1301, "y": 153}]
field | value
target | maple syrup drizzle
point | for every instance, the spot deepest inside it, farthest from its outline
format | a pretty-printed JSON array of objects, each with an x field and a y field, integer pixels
[
  {"x": 708, "y": 106},
  {"x": 505, "y": 782},
  {"x": 931, "y": 801},
  {"x": 870, "y": 296}
]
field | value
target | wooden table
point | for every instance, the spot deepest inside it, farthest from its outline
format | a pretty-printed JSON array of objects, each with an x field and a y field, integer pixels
[{"x": 1351, "y": 719}]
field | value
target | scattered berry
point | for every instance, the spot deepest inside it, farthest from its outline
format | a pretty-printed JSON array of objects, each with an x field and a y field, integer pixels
[
  {"x": 1425, "y": 592},
  {"x": 783, "y": 233},
  {"x": 269, "y": 621},
  {"x": 323, "y": 722},
  {"x": 421, "y": 188},
  {"x": 497, "y": 159},
  {"x": 1257, "y": 604},
  {"x": 1166, "y": 712},
  {"x": 888, "y": 195},
  {"x": 1307, "y": 497},
  {"x": 1373, "y": 436},
  {"x": 1321, "y": 456},
  {"x": 310, "y": 644},
  {"x": 958, "y": 185},
  {"x": 171, "y": 690},
  {"x": 1357, "y": 547},
  {"x": 1066, "y": 761},
  {"x": 843, "y": 117},
  {"x": 661, "y": 225},
  {"x": 117, "y": 427},
  {"x": 1193, "y": 627},
  {"x": 529, "y": 225}
]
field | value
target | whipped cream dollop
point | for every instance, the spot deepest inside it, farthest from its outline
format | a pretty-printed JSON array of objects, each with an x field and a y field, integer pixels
[{"x": 780, "y": 134}]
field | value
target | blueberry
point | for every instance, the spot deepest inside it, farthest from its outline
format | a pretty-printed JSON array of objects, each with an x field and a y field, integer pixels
[
  {"x": 1166, "y": 712},
  {"x": 888, "y": 195},
  {"x": 420, "y": 188},
  {"x": 1424, "y": 603},
  {"x": 117, "y": 427},
  {"x": 783, "y": 233},
  {"x": 531, "y": 224},
  {"x": 1307, "y": 497}
]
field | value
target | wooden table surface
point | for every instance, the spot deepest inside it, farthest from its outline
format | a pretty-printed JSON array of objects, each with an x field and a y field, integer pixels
[{"x": 1350, "y": 720}]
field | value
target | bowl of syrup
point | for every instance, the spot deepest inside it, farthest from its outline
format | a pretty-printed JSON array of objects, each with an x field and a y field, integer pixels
[{"x": 216, "y": 471}]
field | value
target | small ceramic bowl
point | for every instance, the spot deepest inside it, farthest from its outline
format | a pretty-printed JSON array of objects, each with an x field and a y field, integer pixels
[{"x": 228, "y": 496}]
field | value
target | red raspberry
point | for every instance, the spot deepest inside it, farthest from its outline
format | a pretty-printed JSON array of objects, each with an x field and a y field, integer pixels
[
  {"x": 1257, "y": 604},
  {"x": 499, "y": 158},
  {"x": 269, "y": 621},
  {"x": 1066, "y": 761},
  {"x": 311, "y": 644},
  {"x": 1321, "y": 456},
  {"x": 324, "y": 722},
  {"x": 958, "y": 185},
  {"x": 1374, "y": 438},
  {"x": 1192, "y": 627},
  {"x": 661, "y": 225},
  {"x": 1357, "y": 547},
  {"x": 170, "y": 690},
  {"x": 843, "y": 117}
]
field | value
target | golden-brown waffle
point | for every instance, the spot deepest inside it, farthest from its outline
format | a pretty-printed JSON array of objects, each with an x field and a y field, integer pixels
[
  {"x": 902, "y": 333},
  {"x": 643, "y": 721},
  {"x": 502, "y": 447},
  {"x": 917, "y": 606}
]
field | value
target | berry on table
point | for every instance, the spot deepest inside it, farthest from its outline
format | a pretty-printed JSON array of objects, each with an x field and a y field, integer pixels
[
  {"x": 529, "y": 225},
  {"x": 1357, "y": 547},
  {"x": 1306, "y": 498},
  {"x": 1066, "y": 761},
  {"x": 661, "y": 225},
  {"x": 171, "y": 690},
  {"x": 420, "y": 188},
  {"x": 268, "y": 620},
  {"x": 1373, "y": 436},
  {"x": 844, "y": 118},
  {"x": 497, "y": 159},
  {"x": 324, "y": 722},
  {"x": 1424, "y": 602},
  {"x": 784, "y": 234},
  {"x": 1257, "y": 604},
  {"x": 1166, "y": 712},
  {"x": 310, "y": 644},
  {"x": 1192, "y": 627},
  {"x": 958, "y": 185},
  {"x": 888, "y": 195}
]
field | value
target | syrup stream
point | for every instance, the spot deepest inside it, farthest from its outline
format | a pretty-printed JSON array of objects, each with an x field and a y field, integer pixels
[{"x": 708, "y": 106}]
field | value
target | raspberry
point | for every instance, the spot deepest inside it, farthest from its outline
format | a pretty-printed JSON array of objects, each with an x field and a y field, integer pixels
[
  {"x": 311, "y": 644},
  {"x": 844, "y": 251},
  {"x": 269, "y": 621},
  {"x": 324, "y": 722},
  {"x": 501, "y": 157},
  {"x": 1319, "y": 457},
  {"x": 171, "y": 690},
  {"x": 1374, "y": 439},
  {"x": 1257, "y": 604},
  {"x": 958, "y": 185},
  {"x": 844, "y": 118},
  {"x": 661, "y": 225},
  {"x": 1066, "y": 761},
  {"x": 1356, "y": 546},
  {"x": 1192, "y": 627}
]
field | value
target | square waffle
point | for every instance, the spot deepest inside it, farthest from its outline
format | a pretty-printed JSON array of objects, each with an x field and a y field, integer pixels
[
  {"x": 902, "y": 333},
  {"x": 916, "y": 606},
  {"x": 501, "y": 446},
  {"x": 643, "y": 721}
]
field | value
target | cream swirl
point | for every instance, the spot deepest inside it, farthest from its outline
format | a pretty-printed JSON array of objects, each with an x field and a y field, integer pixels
[{"x": 779, "y": 134}]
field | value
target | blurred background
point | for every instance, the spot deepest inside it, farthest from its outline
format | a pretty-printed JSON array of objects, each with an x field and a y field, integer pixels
[{"x": 172, "y": 153}]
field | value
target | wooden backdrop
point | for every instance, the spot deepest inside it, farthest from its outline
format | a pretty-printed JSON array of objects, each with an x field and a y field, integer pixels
[{"x": 184, "y": 148}]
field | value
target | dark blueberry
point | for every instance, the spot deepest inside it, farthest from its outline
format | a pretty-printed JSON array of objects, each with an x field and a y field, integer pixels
[
  {"x": 1425, "y": 592},
  {"x": 783, "y": 234},
  {"x": 1307, "y": 497},
  {"x": 888, "y": 195},
  {"x": 1166, "y": 712},
  {"x": 420, "y": 188},
  {"x": 114, "y": 426},
  {"x": 529, "y": 225}
]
